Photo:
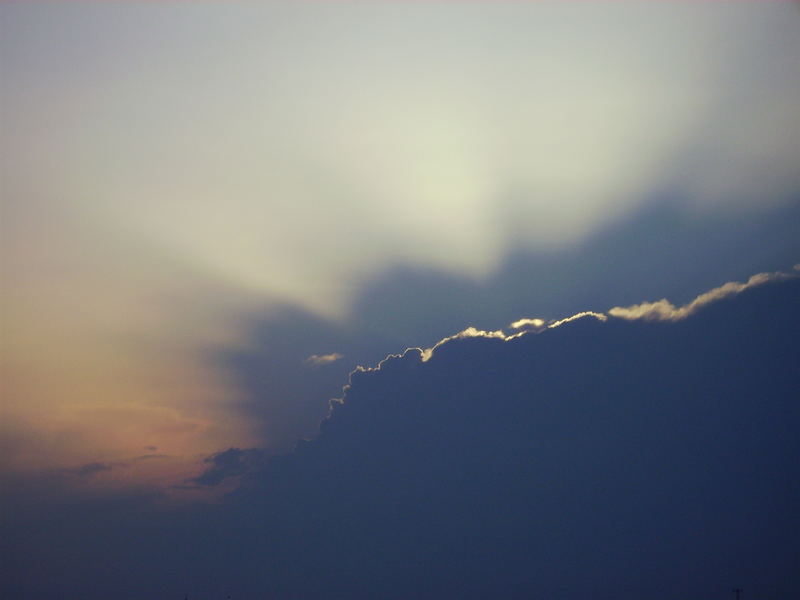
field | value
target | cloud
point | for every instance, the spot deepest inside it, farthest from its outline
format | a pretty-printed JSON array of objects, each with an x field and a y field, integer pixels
[
  {"x": 583, "y": 457},
  {"x": 664, "y": 310},
  {"x": 469, "y": 332},
  {"x": 93, "y": 468},
  {"x": 529, "y": 326},
  {"x": 528, "y": 323},
  {"x": 232, "y": 462},
  {"x": 540, "y": 324},
  {"x": 550, "y": 462},
  {"x": 580, "y": 315},
  {"x": 316, "y": 360},
  {"x": 152, "y": 457}
]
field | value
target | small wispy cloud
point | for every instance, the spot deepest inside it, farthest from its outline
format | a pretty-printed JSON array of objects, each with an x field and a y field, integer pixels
[
  {"x": 93, "y": 468},
  {"x": 317, "y": 360},
  {"x": 528, "y": 324},
  {"x": 664, "y": 310},
  {"x": 151, "y": 457},
  {"x": 580, "y": 315}
]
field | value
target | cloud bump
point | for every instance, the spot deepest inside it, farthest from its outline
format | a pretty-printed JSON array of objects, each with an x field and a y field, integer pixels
[{"x": 528, "y": 324}]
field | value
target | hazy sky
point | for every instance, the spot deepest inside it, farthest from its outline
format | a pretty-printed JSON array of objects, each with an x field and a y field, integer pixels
[
  {"x": 218, "y": 216},
  {"x": 173, "y": 173}
]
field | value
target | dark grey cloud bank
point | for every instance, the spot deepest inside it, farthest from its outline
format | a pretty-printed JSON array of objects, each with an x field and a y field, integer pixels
[
  {"x": 660, "y": 252},
  {"x": 618, "y": 459}
]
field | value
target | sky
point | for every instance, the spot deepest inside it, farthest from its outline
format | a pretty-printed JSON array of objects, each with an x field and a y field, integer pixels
[{"x": 213, "y": 213}]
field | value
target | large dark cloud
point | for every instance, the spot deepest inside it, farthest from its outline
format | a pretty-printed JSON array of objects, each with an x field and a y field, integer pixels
[
  {"x": 612, "y": 459},
  {"x": 606, "y": 459},
  {"x": 659, "y": 252}
]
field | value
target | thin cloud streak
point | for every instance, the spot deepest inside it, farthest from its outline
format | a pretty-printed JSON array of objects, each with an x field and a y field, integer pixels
[
  {"x": 580, "y": 315},
  {"x": 664, "y": 310}
]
